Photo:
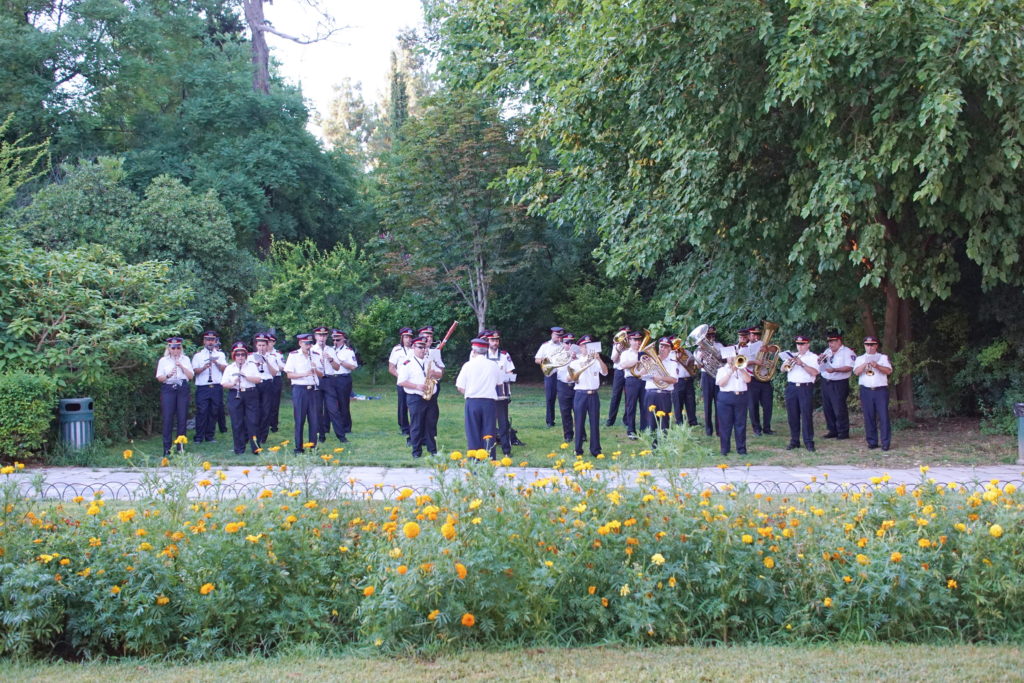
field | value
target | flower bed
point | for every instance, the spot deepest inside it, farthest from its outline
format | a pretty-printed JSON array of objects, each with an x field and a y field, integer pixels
[{"x": 565, "y": 560}]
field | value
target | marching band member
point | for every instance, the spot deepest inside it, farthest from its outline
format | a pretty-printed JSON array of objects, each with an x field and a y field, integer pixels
[
  {"x": 173, "y": 371},
  {"x": 278, "y": 384},
  {"x": 241, "y": 379},
  {"x": 477, "y": 381},
  {"x": 268, "y": 368},
  {"x": 304, "y": 369},
  {"x": 326, "y": 355},
  {"x": 564, "y": 390},
  {"x": 761, "y": 393},
  {"x": 434, "y": 354},
  {"x": 708, "y": 388},
  {"x": 331, "y": 414},
  {"x": 400, "y": 353},
  {"x": 801, "y": 372},
  {"x": 732, "y": 402},
  {"x": 347, "y": 363},
  {"x": 634, "y": 386},
  {"x": 546, "y": 350},
  {"x": 660, "y": 396},
  {"x": 684, "y": 394},
  {"x": 836, "y": 365},
  {"x": 412, "y": 376},
  {"x": 618, "y": 381},
  {"x": 873, "y": 370},
  {"x": 507, "y": 370},
  {"x": 208, "y": 366},
  {"x": 586, "y": 402}
]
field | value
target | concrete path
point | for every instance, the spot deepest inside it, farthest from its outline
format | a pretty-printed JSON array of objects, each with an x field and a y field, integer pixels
[{"x": 65, "y": 483}]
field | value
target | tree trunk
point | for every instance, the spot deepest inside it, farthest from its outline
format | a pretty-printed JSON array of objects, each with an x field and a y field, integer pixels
[
  {"x": 260, "y": 52},
  {"x": 897, "y": 339}
]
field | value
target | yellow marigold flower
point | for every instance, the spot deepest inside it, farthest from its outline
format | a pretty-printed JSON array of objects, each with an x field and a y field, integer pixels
[
  {"x": 266, "y": 493},
  {"x": 145, "y": 546},
  {"x": 126, "y": 515},
  {"x": 827, "y": 602},
  {"x": 181, "y": 440},
  {"x": 455, "y": 456},
  {"x": 448, "y": 530},
  {"x": 847, "y": 579},
  {"x": 506, "y": 461},
  {"x": 475, "y": 503},
  {"x": 411, "y": 529},
  {"x": 162, "y": 600},
  {"x": 624, "y": 591},
  {"x": 604, "y": 602},
  {"x": 460, "y": 570},
  {"x": 1009, "y": 489},
  {"x": 468, "y": 620},
  {"x": 896, "y": 556},
  {"x": 206, "y": 588},
  {"x": 310, "y": 504},
  {"x": 995, "y": 531},
  {"x": 924, "y": 543},
  {"x": 368, "y": 591},
  {"x": 115, "y": 589},
  {"x": 64, "y": 562},
  {"x": 395, "y": 553},
  {"x": 658, "y": 559},
  {"x": 769, "y": 562},
  {"x": 234, "y": 527},
  {"x": 342, "y": 548},
  {"x": 863, "y": 559},
  {"x": 433, "y": 614},
  {"x": 671, "y": 582},
  {"x": 254, "y": 538},
  {"x": 951, "y": 584},
  {"x": 591, "y": 590},
  {"x": 660, "y": 413},
  {"x": 94, "y": 542},
  {"x": 93, "y": 509},
  {"x": 404, "y": 493},
  {"x": 427, "y": 567},
  {"x": 402, "y": 569},
  {"x": 205, "y": 482},
  {"x": 747, "y": 538},
  {"x": 651, "y": 408},
  {"x": 308, "y": 444},
  {"x": 291, "y": 519},
  {"x": 127, "y": 454}
]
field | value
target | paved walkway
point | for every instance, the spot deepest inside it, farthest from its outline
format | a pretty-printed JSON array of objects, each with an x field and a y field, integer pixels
[{"x": 123, "y": 483}]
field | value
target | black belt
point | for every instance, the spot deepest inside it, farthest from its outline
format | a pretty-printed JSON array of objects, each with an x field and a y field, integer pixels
[
  {"x": 846, "y": 379},
  {"x": 801, "y": 384},
  {"x": 586, "y": 391},
  {"x": 175, "y": 385},
  {"x": 659, "y": 391},
  {"x": 306, "y": 386},
  {"x": 736, "y": 392},
  {"x": 211, "y": 384},
  {"x": 884, "y": 386}
]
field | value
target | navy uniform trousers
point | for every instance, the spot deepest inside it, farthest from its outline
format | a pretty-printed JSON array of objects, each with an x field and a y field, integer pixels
[
  {"x": 761, "y": 397},
  {"x": 732, "y": 419},
  {"x": 419, "y": 435},
  {"x": 264, "y": 391},
  {"x": 834, "y": 394},
  {"x": 275, "y": 403},
  {"x": 480, "y": 421},
  {"x": 684, "y": 397},
  {"x": 332, "y": 406},
  {"x": 174, "y": 411},
  {"x": 550, "y": 394},
  {"x": 565, "y": 400},
  {"x": 403, "y": 411},
  {"x": 875, "y": 403},
  {"x": 634, "y": 396},
  {"x": 709, "y": 393},
  {"x": 345, "y": 401},
  {"x": 328, "y": 407},
  {"x": 586, "y": 405},
  {"x": 799, "y": 411},
  {"x": 661, "y": 399},
  {"x": 618, "y": 386},
  {"x": 244, "y": 408},
  {"x": 207, "y": 398},
  {"x": 306, "y": 400}
]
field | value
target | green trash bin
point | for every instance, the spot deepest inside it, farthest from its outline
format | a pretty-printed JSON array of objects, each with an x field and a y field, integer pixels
[{"x": 76, "y": 422}]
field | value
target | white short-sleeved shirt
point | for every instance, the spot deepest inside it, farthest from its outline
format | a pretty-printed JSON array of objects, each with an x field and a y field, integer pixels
[
  {"x": 628, "y": 359},
  {"x": 412, "y": 370},
  {"x": 232, "y": 371},
  {"x": 479, "y": 378},
  {"x": 735, "y": 383},
  {"x": 167, "y": 367},
  {"x": 262, "y": 364},
  {"x": 347, "y": 355},
  {"x": 590, "y": 378},
  {"x": 547, "y": 349},
  {"x": 842, "y": 357},
  {"x": 299, "y": 362},
  {"x": 399, "y": 354},
  {"x": 878, "y": 379},
  {"x": 213, "y": 373},
  {"x": 799, "y": 375}
]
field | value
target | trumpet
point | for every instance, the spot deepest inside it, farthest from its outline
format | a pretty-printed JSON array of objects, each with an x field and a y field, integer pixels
[
  {"x": 870, "y": 362},
  {"x": 826, "y": 357},
  {"x": 739, "y": 361}
]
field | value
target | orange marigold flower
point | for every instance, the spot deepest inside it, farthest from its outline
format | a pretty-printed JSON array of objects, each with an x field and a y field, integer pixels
[
  {"x": 468, "y": 620},
  {"x": 769, "y": 562},
  {"x": 460, "y": 570},
  {"x": 368, "y": 591},
  {"x": 402, "y": 569},
  {"x": 411, "y": 529},
  {"x": 591, "y": 590},
  {"x": 896, "y": 556},
  {"x": 433, "y": 614},
  {"x": 115, "y": 589},
  {"x": 206, "y": 588},
  {"x": 162, "y": 600}
]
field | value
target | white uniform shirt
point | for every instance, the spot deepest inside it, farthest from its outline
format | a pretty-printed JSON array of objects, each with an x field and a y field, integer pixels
[
  {"x": 616, "y": 358},
  {"x": 399, "y": 354},
  {"x": 479, "y": 378},
  {"x": 676, "y": 357},
  {"x": 735, "y": 382},
  {"x": 435, "y": 357},
  {"x": 752, "y": 349},
  {"x": 412, "y": 370},
  {"x": 878, "y": 379},
  {"x": 232, "y": 372},
  {"x": 673, "y": 371},
  {"x": 506, "y": 368},
  {"x": 166, "y": 366},
  {"x": 590, "y": 378},
  {"x": 628, "y": 360},
  {"x": 841, "y": 358},
  {"x": 547, "y": 349},
  {"x": 274, "y": 357},
  {"x": 700, "y": 355},
  {"x": 798, "y": 375},
  {"x": 299, "y": 362},
  {"x": 213, "y": 373},
  {"x": 347, "y": 355},
  {"x": 262, "y": 365}
]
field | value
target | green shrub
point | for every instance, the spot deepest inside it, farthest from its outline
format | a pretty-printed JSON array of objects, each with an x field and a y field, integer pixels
[{"x": 27, "y": 410}]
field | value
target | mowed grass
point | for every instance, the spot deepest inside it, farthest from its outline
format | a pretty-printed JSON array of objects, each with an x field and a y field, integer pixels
[
  {"x": 745, "y": 663},
  {"x": 376, "y": 440}
]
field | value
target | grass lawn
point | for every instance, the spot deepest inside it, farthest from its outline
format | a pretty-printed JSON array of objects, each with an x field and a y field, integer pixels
[
  {"x": 376, "y": 439},
  {"x": 746, "y": 663}
]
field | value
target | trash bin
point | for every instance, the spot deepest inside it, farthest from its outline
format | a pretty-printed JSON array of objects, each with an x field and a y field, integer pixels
[
  {"x": 1018, "y": 410},
  {"x": 76, "y": 422}
]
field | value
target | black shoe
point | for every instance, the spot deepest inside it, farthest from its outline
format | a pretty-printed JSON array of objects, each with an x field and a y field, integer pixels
[
  {"x": 842, "y": 437},
  {"x": 758, "y": 433},
  {"x": 408, "y": 441},
  {"x": 707, "y": 433},
  {"x": 433, "y": 455},
  {"x": 416, "y": 455},
  {"x": 885, "y": 448},
  {"x": 551, "y": 424},
  {"x": 273, "y": 429},
  {"x": 342, "y": 439},
  {"x": 239, "y": 452},
  {"x": 870, "y": 447},
  {"x": 725, "y": 453},
  {"x": 741, "y": 452},
  {"x": 792, "y": 446},
  {"x": 810, "y": 448},
  {"x": 631, "y": 436},
  {"x": 609, "y": 423},
  {"x": 298, "y": 451},
  {"x": 768, "y": 431},
  {"x": 517, "y": 442},
  {"x": 831, "y": 435}
]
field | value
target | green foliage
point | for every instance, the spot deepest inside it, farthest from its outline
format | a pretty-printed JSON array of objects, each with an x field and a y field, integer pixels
[
  {"x": 28, "y": 404},
  {"x": 19, "y": 162},
  {"x": 308, "y": 287}
]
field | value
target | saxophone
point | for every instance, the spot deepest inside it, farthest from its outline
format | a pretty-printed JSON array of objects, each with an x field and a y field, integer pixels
[{"x": 429, "y": 383}]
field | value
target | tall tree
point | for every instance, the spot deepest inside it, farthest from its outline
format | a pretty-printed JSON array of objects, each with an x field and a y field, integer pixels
[{"x": 447, "y": 221}]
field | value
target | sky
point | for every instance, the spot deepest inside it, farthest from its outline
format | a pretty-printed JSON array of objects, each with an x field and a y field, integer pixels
[{"x": 361, "y": 52}]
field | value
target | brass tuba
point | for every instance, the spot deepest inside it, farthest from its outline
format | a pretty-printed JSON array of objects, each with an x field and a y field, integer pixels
[
  {"x": 767, "y": 355},
  {"x": 558, "y": 359},
  {"x": 710, "y": 360}
]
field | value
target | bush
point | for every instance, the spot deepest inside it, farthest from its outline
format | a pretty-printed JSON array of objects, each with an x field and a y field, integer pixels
[{"x": 27, "y": 409}]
